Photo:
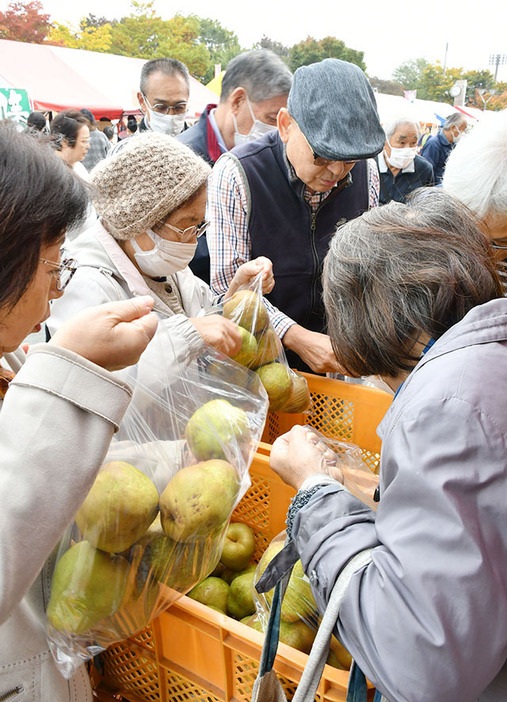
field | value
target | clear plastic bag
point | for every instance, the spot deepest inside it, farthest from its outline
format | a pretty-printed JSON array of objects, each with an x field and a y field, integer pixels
[
  {"x": 300, "y": 618},
  {"x": 154, "y": 521},
  {"x": 262, "y": 350}
]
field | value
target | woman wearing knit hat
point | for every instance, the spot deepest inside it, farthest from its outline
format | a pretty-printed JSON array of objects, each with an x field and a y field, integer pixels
[{"x": 151, "y": 200}]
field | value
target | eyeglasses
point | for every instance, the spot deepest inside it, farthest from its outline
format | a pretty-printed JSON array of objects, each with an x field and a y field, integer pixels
[
  {"x": 63, "y": 271},
  {"x": 162, "y": 109},
  {"x": 320, "y": 160},
  {"x": 503, "y": 245},
  {"x": 186, "y": 234}
]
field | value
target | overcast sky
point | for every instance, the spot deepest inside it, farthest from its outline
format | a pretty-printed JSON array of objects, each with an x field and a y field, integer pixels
[{"x": 389, "y": 32}]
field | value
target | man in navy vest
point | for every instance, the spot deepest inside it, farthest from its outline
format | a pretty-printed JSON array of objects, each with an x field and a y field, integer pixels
[{"x": 283, "y": 195}]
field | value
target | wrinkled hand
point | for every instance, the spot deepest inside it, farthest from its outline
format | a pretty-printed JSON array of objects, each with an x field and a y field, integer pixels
[
  {"x": 113, "y": 335},
  {"x": 301, "y": 453},
  {"x": 219, "y": 332},
  {"x": 313, "y": 348},
  {"x": 248, "y": 271}
]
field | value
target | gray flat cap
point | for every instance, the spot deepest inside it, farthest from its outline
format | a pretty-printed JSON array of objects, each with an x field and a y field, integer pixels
[{"x": 334, "y": 106}]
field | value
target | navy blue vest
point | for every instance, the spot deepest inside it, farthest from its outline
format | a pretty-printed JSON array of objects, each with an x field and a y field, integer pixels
[{"x": 283, "y": 227}]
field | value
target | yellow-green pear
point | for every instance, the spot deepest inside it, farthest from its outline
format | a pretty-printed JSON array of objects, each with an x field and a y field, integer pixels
[
  {"x": 269, "y": 348},
  {"x": 240, "y": 602},
  {"x": 298, "y": 602},
  {"x": 248, "y": 348},
  {"x": 299, "y": 399},
  {"x": 212, "y": 592},
  {"x": 198, "y": 500},
  {"x": 87, "y": 586},
  {"x": 298, "y": 634},
  {"x": 338, "y": 656},
  {"x": 119, "y": 508},
  {"x": 214, "y": 425},
  {"x": 277, "y": 380},
  {"x": 247, "y": 309},
  {"x": 239, "y": 546}
]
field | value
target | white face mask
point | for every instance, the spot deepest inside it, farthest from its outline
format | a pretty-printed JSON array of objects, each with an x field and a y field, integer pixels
[
  {"x": 166, "y": 124},
  {"x": 257, "y": 130},
  {"x": 165, "y": 258},
  {"x": 401, "y": 158},
  {"x": 457, "y": 135}
]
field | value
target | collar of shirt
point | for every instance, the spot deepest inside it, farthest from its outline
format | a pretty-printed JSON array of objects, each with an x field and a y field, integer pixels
[
  {"x": 220, "y": 139},
  {"x": 382, "y": 165},
  {"x": 313, "y": 199}
]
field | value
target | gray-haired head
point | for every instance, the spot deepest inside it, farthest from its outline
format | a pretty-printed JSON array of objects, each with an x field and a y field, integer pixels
[
  {"x": 168, "y": 66},
  {"x": 393, "y": 125},
  {"x": 476, "y": 170},
  {"x": 400, "y": 272},
  {"x": 260, "y": 72},
  {"x": 454, "y": 119}
]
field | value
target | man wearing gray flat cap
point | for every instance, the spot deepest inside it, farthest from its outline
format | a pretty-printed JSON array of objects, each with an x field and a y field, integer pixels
[{"x": 283, "y": 195}]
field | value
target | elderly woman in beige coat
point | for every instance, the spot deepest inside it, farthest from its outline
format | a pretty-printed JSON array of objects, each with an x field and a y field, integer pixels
[{"x": 151, "y": 200}]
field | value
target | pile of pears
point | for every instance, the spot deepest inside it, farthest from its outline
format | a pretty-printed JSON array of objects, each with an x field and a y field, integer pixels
[
  {"x": 136, "y": 549},
  {"x": 230, "y": 589},
  {"x": 262, "y": 351}
]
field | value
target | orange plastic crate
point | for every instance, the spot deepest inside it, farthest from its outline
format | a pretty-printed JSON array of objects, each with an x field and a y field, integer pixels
[
  {"x": 191, "y": 652},
  {"x": 345, "y": 411}
]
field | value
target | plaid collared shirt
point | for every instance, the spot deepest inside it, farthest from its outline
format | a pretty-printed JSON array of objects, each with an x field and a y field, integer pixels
[{"x": 228, "y": 236}]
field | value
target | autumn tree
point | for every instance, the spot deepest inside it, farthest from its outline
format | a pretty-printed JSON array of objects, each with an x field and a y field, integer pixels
[
  {"x": 222, "y": 45},
  {"x": 311, "y": 51},
  {"x": 25, "y": 21}
]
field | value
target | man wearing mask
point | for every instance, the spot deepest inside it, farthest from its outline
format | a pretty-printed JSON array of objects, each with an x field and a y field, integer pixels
[
  {"x": 437, "y": 148},
  {"x": 285, "y": 193},
  {"x": 401, "y": 169},
  {"x": 254, "y": 87},
  {"x": 163, "y": 95}
]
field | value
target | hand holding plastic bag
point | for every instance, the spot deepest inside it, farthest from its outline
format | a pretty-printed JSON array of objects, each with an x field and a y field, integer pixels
[
  {"x": 262, "y": 351},
  {"x": 153, "y": 523}
]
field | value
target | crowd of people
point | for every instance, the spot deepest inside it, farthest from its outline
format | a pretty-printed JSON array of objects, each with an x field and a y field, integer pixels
[{"x": 376, "y": 260}]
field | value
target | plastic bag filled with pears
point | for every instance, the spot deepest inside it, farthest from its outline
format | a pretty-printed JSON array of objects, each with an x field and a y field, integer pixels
[
  {"x": 262, "y": 351},
  {"x": 154, "y": 520},
  {"x": 300, "y": 618}
]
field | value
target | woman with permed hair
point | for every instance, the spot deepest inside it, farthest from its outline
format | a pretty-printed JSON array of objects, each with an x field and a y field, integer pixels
[{"x": 412, "y": 294}]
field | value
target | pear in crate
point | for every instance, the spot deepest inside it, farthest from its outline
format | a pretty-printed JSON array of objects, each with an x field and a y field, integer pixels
[
  {"x": 298, "y": 634},
  {"x": 214, "y": 425},
  {"x": 247, "y": 309},
  {"x": 277, "y": 380},
  {"x": 87, "y": 586},
  {"x": 212, "y": 592},
  {"x": 240, "y": 601},
  {"x": 198, "y": 500},
  {"x": 119, "y": 508},
  {"x": 239, "y": 546}
]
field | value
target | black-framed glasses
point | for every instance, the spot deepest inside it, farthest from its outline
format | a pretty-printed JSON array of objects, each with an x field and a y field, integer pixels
[
  {"x": 321, "y": 161},
  {"x": 62, "y": 271},
  {"x": 162, "y": 109},
  {"x": 185, "y": 235}
]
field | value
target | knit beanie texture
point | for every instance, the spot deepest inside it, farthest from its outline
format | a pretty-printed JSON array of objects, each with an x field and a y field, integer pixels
[{"x": 145, "y": 182}]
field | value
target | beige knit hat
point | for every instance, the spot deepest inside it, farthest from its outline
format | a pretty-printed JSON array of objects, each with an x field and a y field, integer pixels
[{"x": 146, "y": 181}]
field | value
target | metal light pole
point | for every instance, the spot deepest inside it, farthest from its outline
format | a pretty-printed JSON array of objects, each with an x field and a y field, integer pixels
[
  {"x": 497, "y": 60},
  {"x": 481, "y": 92}
]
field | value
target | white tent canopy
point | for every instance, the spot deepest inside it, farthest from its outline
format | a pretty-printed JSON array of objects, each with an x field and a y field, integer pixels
[{"x": 391, "y": 107}]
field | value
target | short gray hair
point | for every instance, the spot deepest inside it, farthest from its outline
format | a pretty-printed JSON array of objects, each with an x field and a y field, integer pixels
[
  {"x": 168, "y": 66},
  {"x": 476, "y": 170},
  {"x": 454, "y": 119},
  {"x": 399, "y": 271},
  {"x": 393, "y": 125},
  {"x": 260, "y": 72}
]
